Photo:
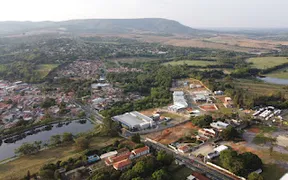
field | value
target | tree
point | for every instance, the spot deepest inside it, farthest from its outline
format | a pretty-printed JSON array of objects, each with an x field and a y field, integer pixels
[
  {"x": 230, "y": 133},
  {"x": 164, "y": 158},
  {"x": 139, "y": 168},
  {"x": 82, "y": 114},
  {"x": 255, "y": 176},
  {"x": 202, "y": 121},
  {"x": 26, "y": 149},
  {"x": 55, "y": 140},
  {"x": 136, "y": 138},
  {"x": 82, "y": 143},
  {"x": 46, "y": 174},
  {"x": 111, "y": 128},
  {"x": 67, "y": 137},
  {"x": 251, "y": 161},
  {"x": 28, "y": 176},
  {"x": 160, "y": 175}
]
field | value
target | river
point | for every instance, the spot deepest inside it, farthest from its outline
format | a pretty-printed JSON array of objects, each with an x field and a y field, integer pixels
[
  {"x": 7, "y": 149},
  {"x": 274, "y": 80}
]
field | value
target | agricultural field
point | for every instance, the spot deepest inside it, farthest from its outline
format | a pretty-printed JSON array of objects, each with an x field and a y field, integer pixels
[
  {"x": 44, "y": 69},
  {"x": 261, "y": 88},
  {"x": 267, "y": 62},
  {"x": 281, "y": 74},
  {"x": 192, "y": 63},
  {"x": 18, "y": 168}
]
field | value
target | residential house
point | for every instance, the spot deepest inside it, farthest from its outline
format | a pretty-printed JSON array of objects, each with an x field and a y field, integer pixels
[
  {"x": 183, "y": 149},
  {"x": 219, "y": 125},
  {"x": 122, "y": 165},
  {"x": 140, "y": 151},
  {"x": 206, "y": 133}
]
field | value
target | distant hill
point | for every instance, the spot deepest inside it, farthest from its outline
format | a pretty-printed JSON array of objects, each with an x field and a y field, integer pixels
[{"x": 148, "y": 25}]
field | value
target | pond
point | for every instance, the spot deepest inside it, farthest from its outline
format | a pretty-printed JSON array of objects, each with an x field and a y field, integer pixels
[
  {"x": 74, "y": 127},
  {"x": 274, "y": 80}
]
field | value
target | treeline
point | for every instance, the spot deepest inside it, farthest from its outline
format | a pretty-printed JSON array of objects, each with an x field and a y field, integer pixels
[
  {"x": 281, "y": 66},
  {"x": 245, "y": 98},
  {"x": 155, "y": 83}
]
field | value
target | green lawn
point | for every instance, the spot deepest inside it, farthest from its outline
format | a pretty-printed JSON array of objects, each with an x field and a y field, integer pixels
[
  {"x": 179, "y": 172},
  {"x": 272, "y": 171},
  {"x": 18, "y": 168},
  {"x": 44, "y": 69},
  {"x": 267, "y": 62},
  {"x": 192, "y": 63},
  {"x": 258, "y": 87},
  {"x": 281, "y": 73}
]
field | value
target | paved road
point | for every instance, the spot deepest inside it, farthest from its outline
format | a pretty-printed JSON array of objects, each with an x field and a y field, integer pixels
[
  {"x": 192, "y": 163},
  {"x": 89, "y": 111}
]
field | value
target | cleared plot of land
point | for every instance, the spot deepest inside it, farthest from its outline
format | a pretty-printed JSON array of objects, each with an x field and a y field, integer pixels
[
  {"x": 171, "y": 135},
  {"x": 44, "y": 69},
  {"x": 192, "y": 63},
  {"x": 267, "y": 62},
  {"x": 281, "y": 73},
  {"x": 18, "y": 168},
  {"x": 261, "y": 88}
]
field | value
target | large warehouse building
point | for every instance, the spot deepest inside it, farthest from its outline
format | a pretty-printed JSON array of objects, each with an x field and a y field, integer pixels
[
  {"x": 134, "y": 120},
  {"x": 179, "y": 101}
]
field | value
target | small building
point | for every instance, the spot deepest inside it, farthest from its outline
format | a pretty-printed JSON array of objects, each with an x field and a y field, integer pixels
[
  {"x": 122, "y": 165},
  {"x": 92, "y": 159},
  {"x": 207, "y": 133},
  {"x": 200, "y": 98},
  {"x": 140, "y": 151},
  {"x": 183, "y": 149},
  {"x": 219, "y": 92},
  {"x": 216, "y": 152},
  {"x": 111, "y": 160},
  {"x": 108, "y": 154},
  {"x": 219, "y": 125},
  {"x": 191, "y": 177}
]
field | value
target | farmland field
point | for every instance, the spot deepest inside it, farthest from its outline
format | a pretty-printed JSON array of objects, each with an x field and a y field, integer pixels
[
  {"x": 192, "y": 63},
  {"x": 267, "y": 62},
  {"x": 258, "y": 87},
  {"x": 44, "y": 69},
  {"x": 281, "y": 73}
]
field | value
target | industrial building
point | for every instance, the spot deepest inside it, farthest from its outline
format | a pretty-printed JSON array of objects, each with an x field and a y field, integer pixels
[
  {"x": 179, "y": 101},
  {"x": 134, "y": 120}
]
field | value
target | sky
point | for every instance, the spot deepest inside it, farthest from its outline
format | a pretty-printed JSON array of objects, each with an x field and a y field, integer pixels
[{"x": 194, "y": 13}]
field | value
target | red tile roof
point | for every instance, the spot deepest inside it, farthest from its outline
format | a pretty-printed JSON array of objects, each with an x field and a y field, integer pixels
[
  {"x": 122, "y": 164},
  {"x": 120, "y": 157},
  {"x": 140, "y": 150}
]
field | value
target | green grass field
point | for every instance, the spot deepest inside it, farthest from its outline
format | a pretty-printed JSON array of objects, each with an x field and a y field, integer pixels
[
  {"x": 281, "y": 73},
  {"x": 258, "y": 87},
  {"x": 272, "y": 171},
  {"x": 18, "y": 168},
  {"x": 44, "y": 69},
  {"x": 192, "y": 63},
  {"x": 267, "y": 62}
]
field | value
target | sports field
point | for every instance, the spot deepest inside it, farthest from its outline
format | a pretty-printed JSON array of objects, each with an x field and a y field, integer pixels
[
  {"x": 192, "y": 63},
  {"x": 267, "y": 62}
]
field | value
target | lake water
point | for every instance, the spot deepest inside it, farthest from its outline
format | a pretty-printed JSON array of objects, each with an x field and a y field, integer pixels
[
  {"x": 274, "y": 80},
  {"x": 7, "y": 149}
]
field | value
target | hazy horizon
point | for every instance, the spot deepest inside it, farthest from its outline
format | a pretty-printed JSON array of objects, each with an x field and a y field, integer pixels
[{"x": 193, "y": 13}]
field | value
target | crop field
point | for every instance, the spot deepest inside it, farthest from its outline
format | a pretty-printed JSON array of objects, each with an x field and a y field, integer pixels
[
  {"x": 267, "y": 62},
  {"x": 281, "y": 73},
  {"x": 44, "y": 69},
  {"x": 258, "y": 87},
  {"x": 192, "y": 63}
]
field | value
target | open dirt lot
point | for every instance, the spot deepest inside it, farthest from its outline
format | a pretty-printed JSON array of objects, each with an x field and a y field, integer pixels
[
  {"x": 204, "y": 150},
  {"x": 171, "y": 135}
]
